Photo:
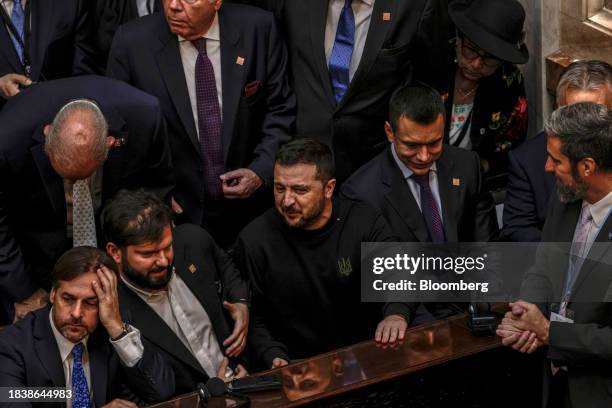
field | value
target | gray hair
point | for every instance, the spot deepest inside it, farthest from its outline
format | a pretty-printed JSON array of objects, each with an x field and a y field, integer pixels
[
  {"x": 584, "y": 76},
  {"x": 63, "y": 147},
  {"x": 585, "y": 131}
]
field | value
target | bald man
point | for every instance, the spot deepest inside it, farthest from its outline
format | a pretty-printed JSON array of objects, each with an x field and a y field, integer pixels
[{"x": 66, "y": 146}]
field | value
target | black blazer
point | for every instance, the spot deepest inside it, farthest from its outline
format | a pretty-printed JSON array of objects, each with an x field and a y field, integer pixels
[
  {"x": 414, "y": 33},
  {"x": 32, "y": 200},
  {"x": 60, "y": 42},
  {"x": 146, "y": 54},
  {"x": 528, "y": 193},
  {"x": 213, "y": 278},
  {"x": 29, "y": 357},
  {"x": 467, "y": 209},
  {"x": 108, "y": 15},
  {"x": 585, "y": 346}
]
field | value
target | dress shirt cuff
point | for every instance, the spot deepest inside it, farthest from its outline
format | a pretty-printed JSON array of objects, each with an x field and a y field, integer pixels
[{"x": 129, "y": 347}]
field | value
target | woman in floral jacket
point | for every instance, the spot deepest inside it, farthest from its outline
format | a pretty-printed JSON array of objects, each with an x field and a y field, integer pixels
[{"x": 485, "y": 93}]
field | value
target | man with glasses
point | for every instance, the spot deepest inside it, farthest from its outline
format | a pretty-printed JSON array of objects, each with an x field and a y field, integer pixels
[{"x": 219, "y": 72}]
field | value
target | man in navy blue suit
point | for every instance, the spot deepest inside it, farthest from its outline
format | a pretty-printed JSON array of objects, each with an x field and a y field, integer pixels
[
  {"x": 219, "y": 73},
  {"x": 529, "y": 186},
  {"x": 66, "y": 146}
]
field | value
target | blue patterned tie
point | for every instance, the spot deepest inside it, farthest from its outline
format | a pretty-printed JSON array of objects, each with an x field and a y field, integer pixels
[
  {"x": 18, "y": 19},
  {"x": 80, "y": 391},
  {"x": 429, "y": 208},
  {"x": 340, "y": 61}
]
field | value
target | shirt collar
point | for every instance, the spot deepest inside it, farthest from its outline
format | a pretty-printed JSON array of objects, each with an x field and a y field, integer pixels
[
  {"x": 600, "y": 209},
  {"x": 212, "y": 33},
  {"x": 368, "y": 2},
  {"x": 406, "y": 172},
  {"x": 64, "y": 345},
  {"x": 149, "y": 297}
]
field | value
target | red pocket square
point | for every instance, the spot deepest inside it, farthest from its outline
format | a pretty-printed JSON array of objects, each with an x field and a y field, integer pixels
[{"x": 251, "y": 88}]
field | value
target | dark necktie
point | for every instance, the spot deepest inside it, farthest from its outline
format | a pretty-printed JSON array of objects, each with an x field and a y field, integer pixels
[
  {"x": 342, "y": 52},
  {"x": 210, "y": 126},
  {"x": 18, "y": 19},
  {"x": 80, "y": 390},
  {"x": 429, "y": 208}
]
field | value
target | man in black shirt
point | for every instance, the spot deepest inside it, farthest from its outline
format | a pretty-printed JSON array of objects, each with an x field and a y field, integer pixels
[{"x": 303, "y": 260}]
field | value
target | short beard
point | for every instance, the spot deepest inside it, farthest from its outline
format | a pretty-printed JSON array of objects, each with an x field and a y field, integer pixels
[
  {"x": 144, "y": 281},
  {"x": 574, "y": 192},
  {"x": 310, "y": 218}
]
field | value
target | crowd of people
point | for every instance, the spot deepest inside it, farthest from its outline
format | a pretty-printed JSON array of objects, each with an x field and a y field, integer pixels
[{"x": 185, "y": 186}]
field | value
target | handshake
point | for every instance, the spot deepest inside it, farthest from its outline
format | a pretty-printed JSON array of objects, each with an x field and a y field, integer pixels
[{"x": 524, "y": 327}]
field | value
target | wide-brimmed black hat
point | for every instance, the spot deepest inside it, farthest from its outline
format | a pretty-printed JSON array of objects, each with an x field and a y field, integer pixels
[{"x": 496, "y": 26}]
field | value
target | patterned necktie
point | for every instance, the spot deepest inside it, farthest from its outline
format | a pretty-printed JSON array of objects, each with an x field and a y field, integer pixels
[
  {"x": 209, "y": 120},
  {"x": 429, "y": 208},
  {"x": 80, "y": 390},
  {"x": 340, "y": 61},
  {"x": 18, "y": 19},
  {"x": 577, "y": 255},
  {"x": 83, "y": 221}
]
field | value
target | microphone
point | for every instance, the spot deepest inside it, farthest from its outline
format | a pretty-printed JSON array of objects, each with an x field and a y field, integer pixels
[{"x": 215, "y": 387}]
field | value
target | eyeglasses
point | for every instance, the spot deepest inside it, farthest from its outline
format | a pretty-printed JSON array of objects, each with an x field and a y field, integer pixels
[{"x": 470, "y": 52}]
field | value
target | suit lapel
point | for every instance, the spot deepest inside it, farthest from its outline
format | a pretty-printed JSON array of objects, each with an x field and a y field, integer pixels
[
  {"x": 8, "y": 51},
  {"x": 41, "y": 17},
  {"x": 318, "y": 17},
  {"x": 171, "y": 68},
  {"x": 449, "y": 199},
  {"x": 47, "y": 350},
  {"x": 232, "y": 74},
  {"x": 53, "y": 183},
  {"x": 154, "y": 329},
  {"x": 97, "y": 348},
  {"x": 374, "y": 42},
  {"x": 401, "y": 199}
]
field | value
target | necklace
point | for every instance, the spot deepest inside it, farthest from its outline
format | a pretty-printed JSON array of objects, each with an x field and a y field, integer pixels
[{"x": 466, "y": 94}]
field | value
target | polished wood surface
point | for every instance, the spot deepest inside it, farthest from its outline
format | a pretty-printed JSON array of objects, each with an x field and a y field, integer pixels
[{"x": 361, "y": 365}]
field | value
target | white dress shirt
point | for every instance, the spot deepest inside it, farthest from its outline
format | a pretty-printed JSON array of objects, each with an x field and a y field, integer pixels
[
  {"x": 415, "y": 189},
  {"x": 362, "y": 9},
  {"x": 599, "y": 211},
  {"x": 129, "y": 349},
  {"x": 145, "y": 7},
  {"x": 189, "y": 55},
  {"x": 183, "y": 313},
  {"x": 8, "y": 5}
]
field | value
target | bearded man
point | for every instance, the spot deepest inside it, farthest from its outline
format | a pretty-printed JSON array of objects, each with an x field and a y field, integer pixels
[{"x": 303, "y": 261}]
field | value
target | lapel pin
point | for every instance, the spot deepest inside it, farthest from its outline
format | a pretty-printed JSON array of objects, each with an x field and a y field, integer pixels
[
  {"x": 240, "y": 60},
  {"x": 456, "y": 182},
  {"x": 386, "y": 16},
  {"x": 192, "y": 268}
]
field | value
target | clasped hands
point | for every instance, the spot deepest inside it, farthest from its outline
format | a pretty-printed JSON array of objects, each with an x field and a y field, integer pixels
[{"x": 524, "y": 327}]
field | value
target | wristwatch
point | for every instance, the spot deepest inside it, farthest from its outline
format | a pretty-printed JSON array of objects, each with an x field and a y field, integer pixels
[{"x": 126, "y": 330}]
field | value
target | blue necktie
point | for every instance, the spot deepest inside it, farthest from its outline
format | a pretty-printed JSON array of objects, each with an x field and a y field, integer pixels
[
  {"x": 340, "y": 61},
  {"x": 80, "y": 391},
  {"x": 18, "y": 19}
]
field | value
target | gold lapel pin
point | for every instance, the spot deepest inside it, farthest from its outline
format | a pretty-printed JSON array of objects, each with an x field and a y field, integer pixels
[
  {"x": 192, "y": 268},
  {"x": 386, "y": 16},
  {"x": 456, "y": 182},
  {"x": 240, "y": 60}
]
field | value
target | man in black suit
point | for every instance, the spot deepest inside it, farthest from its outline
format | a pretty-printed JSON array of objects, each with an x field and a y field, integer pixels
[
  {"x": 54, "y": 41},
  {"x": 571, "y": 321},
  {"x": 415, "y": 169},
  {"x": 172, "y": 284},
  {"x": 109, "y": 15},
  {"x": 227, "y": 103},
  {"x": 347, "y": 57},
  {"x": 50, "y": 143},
  {"x": 529, "y": 185},
  {"x": 81, "y": 343}
]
